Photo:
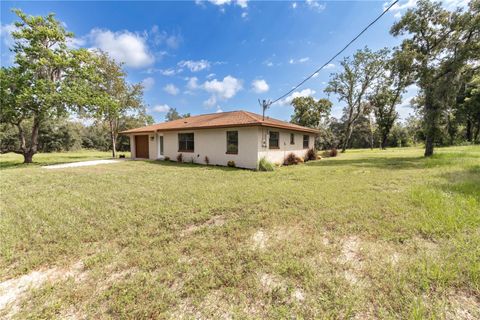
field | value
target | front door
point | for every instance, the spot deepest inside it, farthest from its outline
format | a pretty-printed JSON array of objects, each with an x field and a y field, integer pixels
[{"x": 141, "y": 146}]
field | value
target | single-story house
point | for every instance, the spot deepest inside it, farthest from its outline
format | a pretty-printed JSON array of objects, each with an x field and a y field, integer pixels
[{"x": 240, "y": 136}]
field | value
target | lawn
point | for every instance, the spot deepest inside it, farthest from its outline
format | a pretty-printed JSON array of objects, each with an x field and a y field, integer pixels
[
  {"x": 369, "y": 234},
  {"x": 10, "y": 160}
]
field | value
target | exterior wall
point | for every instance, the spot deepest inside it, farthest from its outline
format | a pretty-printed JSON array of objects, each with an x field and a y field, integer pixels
[
  {"x": 213, "y": 144},
  {"x": 278, "y": 156}
]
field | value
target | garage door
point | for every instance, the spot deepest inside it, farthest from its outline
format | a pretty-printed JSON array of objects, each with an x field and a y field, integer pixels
[{"x": 141, "y": 146}]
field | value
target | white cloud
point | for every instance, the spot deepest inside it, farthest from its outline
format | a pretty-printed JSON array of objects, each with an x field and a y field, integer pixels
[
  {"x": 195, "y": 66},
  {"x": 301, "y": 60},
  {"x": 148, "y": 83},
  {"x": 304, "y": 93},
  {"x": 241, "y": 3},
  {"x": 192, "y": 83},
  {"x": 168, "y": 72},
  {"x": 315, "y": 5},
  {"x": 210, "y": 102},
  {"x": 210, "y": 75},
  {"x": 76, "y": 43},
  {"x": 260, "y": 86},
  {"x": 244, "y": 14},
  {"x": 404, "y": 5},
  {"x": 219, "y": 109},
  {"x": 162, "y": 108},
  {"x": 160, "y": 37},
  {"x": 225, "y": 88},
  {"x": 171, "y": 89},
  {"x": 6, "y": 34},
  {"x": 294, "y": 5},
  {"x": 124, "y": 46},
  {"x": 330, "y": 66}
]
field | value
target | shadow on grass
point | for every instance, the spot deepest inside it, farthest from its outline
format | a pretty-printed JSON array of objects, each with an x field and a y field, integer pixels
[
  {"x": 465, "y": 182},
  {"x": 192, "y": 165},
  {"x": 419, "y": 162},
  {"x": 13, "y": 164},
  {"x": 381, "y": 163}
]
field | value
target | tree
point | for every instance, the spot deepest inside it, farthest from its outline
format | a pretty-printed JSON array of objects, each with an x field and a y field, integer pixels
[
  {"x": 441, "y": 42},
  {"x": 40, "y": 85},
  {"x": 309, "y": 112},
  {"x": 389, "y": 92},
  {"x": 354, "y": 84},
  {"x": 468, "y": 108},
  {"x": 115, "y": 98},
  {"x": 173, "y": 114}
]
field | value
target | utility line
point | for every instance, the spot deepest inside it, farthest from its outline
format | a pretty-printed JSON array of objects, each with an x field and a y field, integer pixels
[{"x": 331, "y": 59}]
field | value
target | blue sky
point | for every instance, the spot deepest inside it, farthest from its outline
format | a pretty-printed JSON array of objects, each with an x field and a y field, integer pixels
[{"x": 221, "y": 55}]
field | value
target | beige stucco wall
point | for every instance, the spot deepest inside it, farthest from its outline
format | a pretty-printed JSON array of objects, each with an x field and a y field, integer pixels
[
  {"x": 278, "y": 155},
  {"x": 213, "y": 144}
]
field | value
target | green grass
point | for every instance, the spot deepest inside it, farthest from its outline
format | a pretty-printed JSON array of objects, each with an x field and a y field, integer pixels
[
  {"x": 369, "y": 234},
  {"x": 12, "y": 160}
]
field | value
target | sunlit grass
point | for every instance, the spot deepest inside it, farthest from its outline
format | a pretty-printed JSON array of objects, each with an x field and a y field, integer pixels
[{"x": 371, "y": 233}]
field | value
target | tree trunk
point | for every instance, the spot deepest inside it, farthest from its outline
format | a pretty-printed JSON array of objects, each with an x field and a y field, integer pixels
[
  {"x": 430, "y": 120},
  {"x": 468, "y": 131},
  {"x": 114, "y": 142},
  {"x": 348, "y": 134},
  {"x": 28, "y": 157},
  {"x": 476, "y": 135},
  {"x": 384, "y": 140}
]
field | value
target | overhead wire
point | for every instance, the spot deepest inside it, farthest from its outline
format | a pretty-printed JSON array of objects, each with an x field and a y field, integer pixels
[{"x": 336, "y": 55}]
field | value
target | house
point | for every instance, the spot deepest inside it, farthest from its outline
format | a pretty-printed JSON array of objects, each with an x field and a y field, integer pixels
[{"x": 240, "y": 136}]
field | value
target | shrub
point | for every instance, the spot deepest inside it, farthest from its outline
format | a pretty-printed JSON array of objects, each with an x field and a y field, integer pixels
[
  {"x": 291, "y": 159},
  {"x": 231, "y": 164},
  {"x": 311, "y": 155},
  {"x": 333, "y": 152},
  {"x": 167, "y": 158},
  {"x": 180, "y": 158},
  {"x": 265, "y": 165},
  {"x": 207, "y": 161}
]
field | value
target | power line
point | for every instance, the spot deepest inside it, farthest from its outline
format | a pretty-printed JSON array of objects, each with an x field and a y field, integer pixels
[{"x": 336, "y": 55}]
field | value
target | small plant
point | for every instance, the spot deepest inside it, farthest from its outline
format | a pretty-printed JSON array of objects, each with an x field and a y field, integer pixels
[
  {"x": 319, "y": 157},
  {"x": 300, "y": 160},
  {"x": 333, "y": 152},
  {"x": 167, "y": 158},
  {"x": 192, "y": 161},
  {"x": 207, "y": 161},
  {"x": 231, "y": 164},
  {"x": 311, "y": 155},
  {"x": 122, "y": 156},
  {"x": 180, "y": 158},
  {"x": 265, "y": 165},
  {"x": 291, "y": 159}
]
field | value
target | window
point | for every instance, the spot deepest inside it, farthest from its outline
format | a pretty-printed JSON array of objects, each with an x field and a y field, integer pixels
[
  {"x": 185, "y": 142},
  {"x": 292, "y": 138},
  {"x": 306, "y": 141},
  {"x": 232, "y": 142},
  {"x": 273, "y": 140}
]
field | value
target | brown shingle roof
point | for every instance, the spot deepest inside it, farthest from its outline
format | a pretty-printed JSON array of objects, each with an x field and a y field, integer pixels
[{"x": 220, "y": 120}]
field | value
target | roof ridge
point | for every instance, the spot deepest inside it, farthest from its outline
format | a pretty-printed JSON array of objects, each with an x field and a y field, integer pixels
[{"x": 248, "y": 113}]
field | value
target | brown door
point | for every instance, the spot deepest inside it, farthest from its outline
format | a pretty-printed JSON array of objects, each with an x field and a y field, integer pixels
[{"x": 141, "y": 147}]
